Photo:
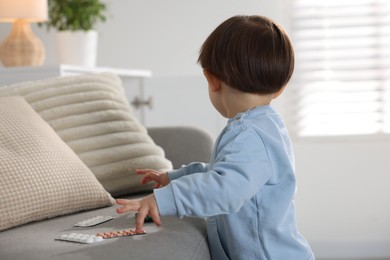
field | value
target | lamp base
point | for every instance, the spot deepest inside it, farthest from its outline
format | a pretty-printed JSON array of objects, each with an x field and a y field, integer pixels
[{"x": 22, "y": 47}]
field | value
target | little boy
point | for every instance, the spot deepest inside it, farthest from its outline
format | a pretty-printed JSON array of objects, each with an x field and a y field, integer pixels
[{"x": 247, "y": 189}]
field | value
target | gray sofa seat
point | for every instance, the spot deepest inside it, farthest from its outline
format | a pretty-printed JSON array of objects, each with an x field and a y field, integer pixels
[{"x": 183, "y": 144}]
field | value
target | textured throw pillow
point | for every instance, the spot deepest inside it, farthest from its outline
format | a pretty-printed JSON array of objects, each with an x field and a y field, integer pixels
[
  {"x": 40, "y": 176},
  {"x": 91, "y": 114}
]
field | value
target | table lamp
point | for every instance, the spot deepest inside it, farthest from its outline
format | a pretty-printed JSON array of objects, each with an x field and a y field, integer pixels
[{"x": 22, "y": 47}]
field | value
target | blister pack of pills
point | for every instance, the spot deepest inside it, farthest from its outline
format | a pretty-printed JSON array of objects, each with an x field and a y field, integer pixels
[
  {"x": 93, "y": 221},
  {"x": 88, "y": 239},
  {"x": 80, "y": 238},
  {"x": 120, "y": 233}
]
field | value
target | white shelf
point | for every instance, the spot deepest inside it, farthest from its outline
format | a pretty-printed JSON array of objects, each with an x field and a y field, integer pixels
[{"x": 21, "y": 74}]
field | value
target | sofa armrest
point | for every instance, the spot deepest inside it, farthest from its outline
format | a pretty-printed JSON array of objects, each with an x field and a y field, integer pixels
[{"x": 183, "y": 144}]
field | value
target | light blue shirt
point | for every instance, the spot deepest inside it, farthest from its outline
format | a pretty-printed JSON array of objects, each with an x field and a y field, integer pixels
[{"x": 246, "y": 191}]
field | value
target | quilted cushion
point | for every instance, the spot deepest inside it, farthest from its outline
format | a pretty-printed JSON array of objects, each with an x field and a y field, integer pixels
[{"x": 91, "y": 114}]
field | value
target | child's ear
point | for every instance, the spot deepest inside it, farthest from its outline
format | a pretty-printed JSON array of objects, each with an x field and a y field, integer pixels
[{"x": 213, "y": 81}]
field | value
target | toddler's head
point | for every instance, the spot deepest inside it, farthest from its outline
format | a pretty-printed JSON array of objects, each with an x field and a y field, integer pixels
[{"x": 252, "y": 54}]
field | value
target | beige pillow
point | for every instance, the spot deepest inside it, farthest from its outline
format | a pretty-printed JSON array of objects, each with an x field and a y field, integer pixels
[
  {"x": 91, "y": 114},
  {"x": 40, "y": 176}
]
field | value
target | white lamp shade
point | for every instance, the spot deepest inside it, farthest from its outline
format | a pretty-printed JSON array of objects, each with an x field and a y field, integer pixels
[{"x": 30, "y": 10}]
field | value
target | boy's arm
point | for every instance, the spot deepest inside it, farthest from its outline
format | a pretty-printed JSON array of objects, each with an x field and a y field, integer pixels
[
  {"x": 240, "y": 170},
  {"x": 188, "y": 169}
]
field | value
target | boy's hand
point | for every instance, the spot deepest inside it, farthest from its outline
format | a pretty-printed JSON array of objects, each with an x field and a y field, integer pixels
[
  {"x": 160, "y": 178},
  {"x": 147, "y": 205}
]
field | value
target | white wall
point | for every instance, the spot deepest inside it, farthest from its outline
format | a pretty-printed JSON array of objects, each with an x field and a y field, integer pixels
[
  {"x": 343, "y": 193},
  {"x": 343, "y": 196},
  {"x": 165, "y": 36}
]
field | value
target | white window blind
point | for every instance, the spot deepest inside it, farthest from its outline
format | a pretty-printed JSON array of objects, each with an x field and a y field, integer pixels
[{"x": 342, "y": 76}]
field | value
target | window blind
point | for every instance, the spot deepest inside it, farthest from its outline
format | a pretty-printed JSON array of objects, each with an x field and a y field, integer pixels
[{"x": 342, "y": 76}]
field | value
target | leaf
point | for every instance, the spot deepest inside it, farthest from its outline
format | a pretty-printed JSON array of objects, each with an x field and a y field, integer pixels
[{"x": 75, "y": 14}]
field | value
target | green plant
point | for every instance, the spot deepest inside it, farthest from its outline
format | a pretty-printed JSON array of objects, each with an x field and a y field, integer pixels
[{"x": 75, "y": 15}]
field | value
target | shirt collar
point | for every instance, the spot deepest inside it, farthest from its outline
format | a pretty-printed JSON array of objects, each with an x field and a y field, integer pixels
[{"x": 253, "y": 112}]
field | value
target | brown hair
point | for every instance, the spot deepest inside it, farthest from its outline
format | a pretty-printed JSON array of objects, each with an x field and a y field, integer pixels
[{"x": 249, "y": 53}]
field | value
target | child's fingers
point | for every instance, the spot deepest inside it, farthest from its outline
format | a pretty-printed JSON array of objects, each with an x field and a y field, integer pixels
[
  {"x": 139, "y": 222},
  {"x": 148, "y": 177},
  {"x": 155, "y": 216},
  {"x": 145, "y": 179},
  {"x": 142, "y": 171},
  {"x": 127, "y": 205},
  {"x": 121, "y": 201}
]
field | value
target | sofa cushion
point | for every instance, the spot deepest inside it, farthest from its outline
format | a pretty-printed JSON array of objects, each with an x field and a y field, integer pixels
[
  {"x": 91, "y": 114},
  {"x": 40, "y": 176}
]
